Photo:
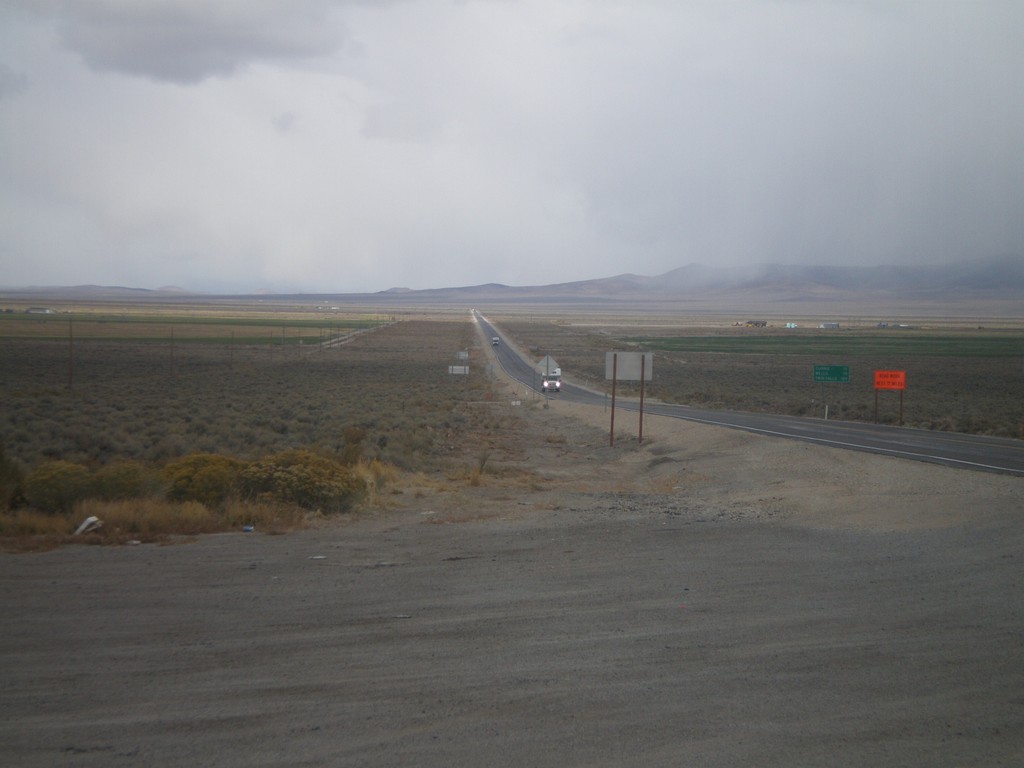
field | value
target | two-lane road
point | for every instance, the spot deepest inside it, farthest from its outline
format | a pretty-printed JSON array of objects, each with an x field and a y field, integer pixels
[{"x": 991, "y": 454}]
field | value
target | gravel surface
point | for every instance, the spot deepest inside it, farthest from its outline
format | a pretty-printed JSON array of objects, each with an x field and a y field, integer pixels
[{"x": 707, "y": 598}]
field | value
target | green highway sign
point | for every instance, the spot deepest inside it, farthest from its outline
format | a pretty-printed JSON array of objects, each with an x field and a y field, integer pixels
[{"x": 840, "y": 373}]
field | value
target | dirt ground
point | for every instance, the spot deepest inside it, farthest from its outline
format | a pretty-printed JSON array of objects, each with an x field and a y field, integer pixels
[{"x": 706, "y": 598}]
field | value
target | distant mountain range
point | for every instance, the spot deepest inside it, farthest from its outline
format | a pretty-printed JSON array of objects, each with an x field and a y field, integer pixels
[
  {"x": 994, "y": 286},
  {"x": 999, "y": 279}
]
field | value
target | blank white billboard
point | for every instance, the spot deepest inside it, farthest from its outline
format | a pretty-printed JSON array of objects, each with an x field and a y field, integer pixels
[{"x": 627, "y": 365}]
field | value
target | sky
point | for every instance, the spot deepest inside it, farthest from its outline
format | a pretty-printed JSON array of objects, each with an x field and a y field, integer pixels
[{"x": 352, "y": 146}]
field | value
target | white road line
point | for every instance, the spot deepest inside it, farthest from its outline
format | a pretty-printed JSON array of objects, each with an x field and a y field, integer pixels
[{"x": 843, "y": 444}]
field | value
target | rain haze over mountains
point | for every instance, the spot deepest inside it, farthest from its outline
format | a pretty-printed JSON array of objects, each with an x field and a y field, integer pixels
[{"x": 351, "y": 147}]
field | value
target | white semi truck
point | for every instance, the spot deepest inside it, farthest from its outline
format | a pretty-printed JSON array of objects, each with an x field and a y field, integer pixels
[
  {"x": 552, "y": 381},
  {"x": 550, "y": 375}
]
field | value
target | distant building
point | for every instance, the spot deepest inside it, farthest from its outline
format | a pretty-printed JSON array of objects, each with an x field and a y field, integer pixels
[{"x": 40, "y": 311}]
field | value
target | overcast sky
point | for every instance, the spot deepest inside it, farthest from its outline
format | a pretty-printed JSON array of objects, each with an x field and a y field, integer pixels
[{"x": 347, "y": 146}]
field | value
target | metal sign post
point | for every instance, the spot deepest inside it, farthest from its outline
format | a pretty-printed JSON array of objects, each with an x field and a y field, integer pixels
[
  {"x": 640, "y": 431},
  {"x": 890, "y": 380},
  {"x": 611, "y": 431}
]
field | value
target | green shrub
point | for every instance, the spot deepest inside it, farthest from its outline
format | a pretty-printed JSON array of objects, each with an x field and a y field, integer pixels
[
  {"x": 55, "y": 486},
  {"x": 353, "y": 450},
  {"x": 10, "y": 480},
  {"x": 125, "y": 480},
  {"x": 208, "y": 478},
  {"x": 303, "y": 478}
]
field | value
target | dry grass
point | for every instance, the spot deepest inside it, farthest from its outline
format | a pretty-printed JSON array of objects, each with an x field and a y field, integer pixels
[{"x": 144, "y": 520}]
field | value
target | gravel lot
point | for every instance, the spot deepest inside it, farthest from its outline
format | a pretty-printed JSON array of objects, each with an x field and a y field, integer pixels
[{"x": 708, "y": 598}]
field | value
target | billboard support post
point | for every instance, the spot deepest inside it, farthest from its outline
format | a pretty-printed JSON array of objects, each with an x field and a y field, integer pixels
[
  {"x": 640, "y": 431},
  {"x": 633, "y": 367},
  {"x": 611, "y": 430}
]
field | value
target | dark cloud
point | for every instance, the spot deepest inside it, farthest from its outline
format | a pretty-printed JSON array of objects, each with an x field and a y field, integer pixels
[{"x": 187, "y": 42}]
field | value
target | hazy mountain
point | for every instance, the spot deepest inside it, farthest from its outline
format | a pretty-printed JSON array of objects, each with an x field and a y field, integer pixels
[
  {"x": 998, "y": 279},
  {"x": 86, "y": 292}
]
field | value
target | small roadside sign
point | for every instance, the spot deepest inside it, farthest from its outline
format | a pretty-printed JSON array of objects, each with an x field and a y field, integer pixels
[
  {"x": 890, "y": 379},
  {"x": 837, "y": 373}
]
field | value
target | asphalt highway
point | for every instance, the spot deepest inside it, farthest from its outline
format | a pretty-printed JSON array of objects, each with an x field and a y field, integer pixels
[{"x": 978, "y": 452}]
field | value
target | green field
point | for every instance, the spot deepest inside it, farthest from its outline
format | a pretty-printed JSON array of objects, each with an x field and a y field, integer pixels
[{"x": 255, "y": 328}]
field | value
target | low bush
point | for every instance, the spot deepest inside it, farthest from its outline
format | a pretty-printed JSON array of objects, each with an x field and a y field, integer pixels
[
  {"x": 11, "y": 478},
  {"x": 126, "y": 480},
  {"x": 375, "y": 474},
  {"x": 304, "y": 478},
  {"x": 55, "y": 486},
  {"x": 208, "y": 478},
  {"x": 200, "y": 493},
  {"x": 353, "y": 449}
]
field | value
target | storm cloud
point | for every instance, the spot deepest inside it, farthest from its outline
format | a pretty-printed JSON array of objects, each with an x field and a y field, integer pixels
[{"x": 322, "y": 145}]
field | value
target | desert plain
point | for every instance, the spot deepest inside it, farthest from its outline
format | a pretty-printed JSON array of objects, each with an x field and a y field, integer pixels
[{"x": 706, "y": 597}]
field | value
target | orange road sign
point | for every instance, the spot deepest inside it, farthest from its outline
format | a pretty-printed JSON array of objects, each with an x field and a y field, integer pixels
[{"x": 890, "y": 379}]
